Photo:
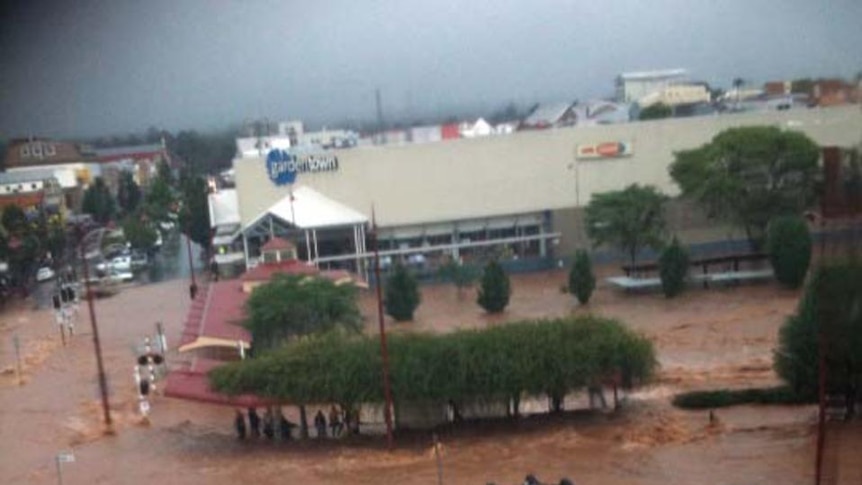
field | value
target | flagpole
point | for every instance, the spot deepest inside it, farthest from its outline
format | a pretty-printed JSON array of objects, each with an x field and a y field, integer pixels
[{"x": 384, "y": 351}]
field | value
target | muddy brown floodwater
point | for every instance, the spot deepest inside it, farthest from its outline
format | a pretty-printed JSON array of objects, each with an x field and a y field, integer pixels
[{"x": 705, "y": 339}]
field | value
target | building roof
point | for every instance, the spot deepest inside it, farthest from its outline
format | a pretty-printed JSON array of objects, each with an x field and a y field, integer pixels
[
  {"x": 277, "y": 244},
  {"x": 306, "y": 208},
  {"x": 42, "y": 151},
  {"x": 126, "y": 152},
  {"x": 215, "y": 316},
  {"x": 193, "y": 384},
  {"x": 656, "y": 74},
  {"x": 265, "y": 271},
  {"x": 547, "y": 114}
]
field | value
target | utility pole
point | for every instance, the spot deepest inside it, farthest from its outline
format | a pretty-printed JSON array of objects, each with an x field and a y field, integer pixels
[
  {"x": 384, "y": 351},
  {"x": 193, "y": 287},
  {"x": 103, "y": 382}
]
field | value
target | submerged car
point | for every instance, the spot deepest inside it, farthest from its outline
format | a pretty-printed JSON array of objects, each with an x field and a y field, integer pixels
[{"x": 44, "y": 274}]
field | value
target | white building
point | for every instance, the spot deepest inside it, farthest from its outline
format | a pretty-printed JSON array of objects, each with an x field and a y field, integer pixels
[
  {"x": 632, "y": 86},
  {"x": 520, "y": 195}
]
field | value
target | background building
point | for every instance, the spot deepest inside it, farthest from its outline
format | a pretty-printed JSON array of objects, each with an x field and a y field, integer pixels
[
  {"x": 632, "y": 86},
  {"x": 519, "y": 197}
]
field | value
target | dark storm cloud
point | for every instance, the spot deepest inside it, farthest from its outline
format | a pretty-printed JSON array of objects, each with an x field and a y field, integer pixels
[{"x": 89, "y": 67}]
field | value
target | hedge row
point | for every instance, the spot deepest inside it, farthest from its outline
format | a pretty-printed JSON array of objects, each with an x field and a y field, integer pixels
[
  {"x": 531, "y": 358},
  {"x": 727, "y": 397}
]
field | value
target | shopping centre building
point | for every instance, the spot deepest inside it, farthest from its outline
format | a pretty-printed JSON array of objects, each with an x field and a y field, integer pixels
[{"x": 517, "y": 197}]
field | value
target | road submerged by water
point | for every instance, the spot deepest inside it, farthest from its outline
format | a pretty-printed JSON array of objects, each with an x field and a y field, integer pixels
[{"x": 57, "y": 409}]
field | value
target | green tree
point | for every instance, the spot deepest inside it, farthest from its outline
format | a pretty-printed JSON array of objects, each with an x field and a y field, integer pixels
[
  {"x": 402, "y": 294},
  {"x": 582, "y": 281},
  {"x": 98, "y": 202},
  {"x": 21, "y": 243},
  {"x": 290, "y": 306},
  {"x": 164, "y": 172},
  {"x": 747, "y": 176},
  {"x": 14, "y": 220},
  {"x": 128, "y": 193},
  {"x": 139, "y": 234},
  {"x": 829, "y": 307},
  {"x": 495, "y": 288},
  {"x": 493, "y": 365},
  {"x": 789, "y": 247},
  {"x": 160, "y": 199},
  {"x": 655, "y": 112},
  {"x": 673, "y": 269},
  {"x": 461, "y": 275},
  {"x": 194, "y": 216},
  {"x": 628, "y": 219}
]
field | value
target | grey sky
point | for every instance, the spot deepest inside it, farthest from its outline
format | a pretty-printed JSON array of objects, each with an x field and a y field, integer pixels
[{"x": 71, "y": 68}]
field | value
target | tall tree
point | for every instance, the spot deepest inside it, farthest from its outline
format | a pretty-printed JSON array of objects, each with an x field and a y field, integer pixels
[
  {"x": 194, "y": 217},
  {"x": 160, "y": 199},
  {"x": 402, "y": 294},
  {"x": 139, "y": 234},
  {"x": 747, "y": 176},
  {"x": 290, "y": 306},
  {"x": 582, "y": 281},
  {"x": 128, "y": 193},
  {"x": 495, "y": 288},
  {"x": 98, "y": 202},
  {"x": 629, "y": 219}
]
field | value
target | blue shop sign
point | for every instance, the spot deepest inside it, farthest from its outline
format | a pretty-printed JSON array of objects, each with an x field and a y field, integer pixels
[{"x": 283, "y": 166}]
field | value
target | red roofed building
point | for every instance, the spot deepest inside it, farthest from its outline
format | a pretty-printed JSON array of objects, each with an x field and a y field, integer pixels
[{"x": 214, "y": 330}]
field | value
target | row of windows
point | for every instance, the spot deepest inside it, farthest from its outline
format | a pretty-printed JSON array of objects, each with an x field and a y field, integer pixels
[
  {"x": 38, "y": 150},
  {"x": 15, "y": 189}
]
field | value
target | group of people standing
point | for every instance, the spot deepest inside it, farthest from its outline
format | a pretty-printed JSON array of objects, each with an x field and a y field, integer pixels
[{"x": 272, "y": 423}]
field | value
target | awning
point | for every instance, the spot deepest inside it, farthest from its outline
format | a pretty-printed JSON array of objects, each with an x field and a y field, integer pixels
[{"x": 306, "y": 208}]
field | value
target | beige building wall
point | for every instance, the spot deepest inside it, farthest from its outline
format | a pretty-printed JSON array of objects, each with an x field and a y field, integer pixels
[{"x": 522, "y": 172}]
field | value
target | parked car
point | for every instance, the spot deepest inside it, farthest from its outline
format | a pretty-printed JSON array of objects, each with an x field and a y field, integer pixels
[
  {"x": 44, "y": 274},
  {"x": 139, "y": 260},
  {"x": 121, "y": 276},
  {"x": 122, "y": 263}
]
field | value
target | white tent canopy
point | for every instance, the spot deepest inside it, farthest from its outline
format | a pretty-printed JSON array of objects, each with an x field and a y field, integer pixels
[{"x": 306, "y": 208}]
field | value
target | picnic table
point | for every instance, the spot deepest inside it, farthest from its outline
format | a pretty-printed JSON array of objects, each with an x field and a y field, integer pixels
[{"x": 637, "y": 275}]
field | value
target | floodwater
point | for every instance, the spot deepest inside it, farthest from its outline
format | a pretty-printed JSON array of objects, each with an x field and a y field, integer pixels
[
  {"x": 706, "y": 339},
  {"x": 169, "y": 263}
]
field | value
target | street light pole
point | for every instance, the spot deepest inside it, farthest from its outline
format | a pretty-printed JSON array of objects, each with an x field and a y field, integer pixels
[
  {"x": 384, "y": 351},
  {"x": 103, "y": 382},
  {"x": 193, "y": 287}
]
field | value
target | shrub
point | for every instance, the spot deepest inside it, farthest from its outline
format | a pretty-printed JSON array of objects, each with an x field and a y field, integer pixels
[
  {"x": 789, "y": 248},
  {"x": 582, "y": 281},
  {"x": 530, "y": 358},
  {"x": 673, "y": 269},
  {"x": 732, "y": 397},
  {"x": 402, "y": 294},
  {"x": 495, "y": 288},
  {"x": 461, "y": 275}
]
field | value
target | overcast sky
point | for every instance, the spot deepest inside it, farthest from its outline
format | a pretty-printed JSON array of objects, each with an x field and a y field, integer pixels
[{"x": 75, "y": 68}]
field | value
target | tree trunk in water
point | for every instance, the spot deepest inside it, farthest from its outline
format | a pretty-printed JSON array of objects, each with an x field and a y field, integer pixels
[
  {"x": 556, "y": 404},
  {"x": 303, "y": 423}
]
